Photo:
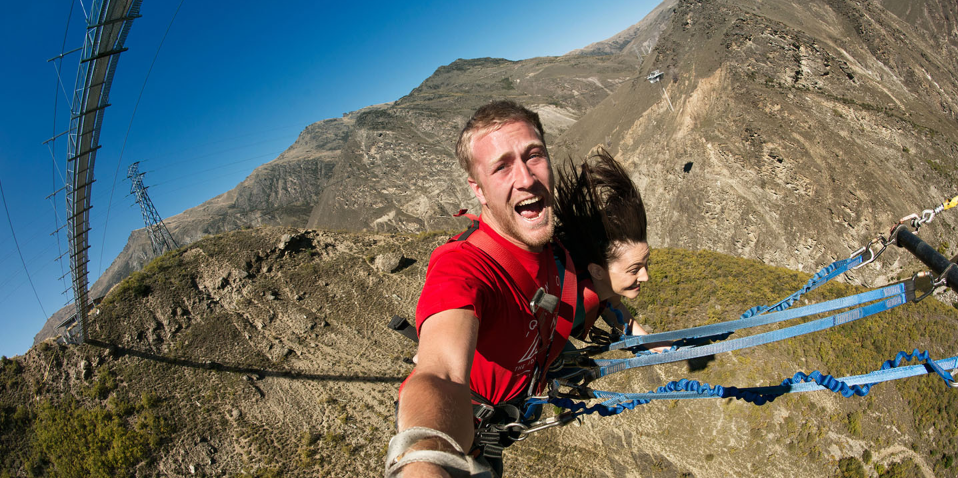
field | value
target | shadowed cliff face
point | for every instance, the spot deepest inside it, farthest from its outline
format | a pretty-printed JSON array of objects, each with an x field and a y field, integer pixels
[
  {"x": 788, "y": 132},
  {"x": 791, "y": 133}
]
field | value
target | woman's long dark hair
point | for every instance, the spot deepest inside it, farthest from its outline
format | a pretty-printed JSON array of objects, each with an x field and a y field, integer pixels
[{"x": 597, "y": 206}]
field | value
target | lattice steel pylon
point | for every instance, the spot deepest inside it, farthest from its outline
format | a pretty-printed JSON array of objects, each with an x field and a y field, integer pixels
[{"x": 160, "y": 236}]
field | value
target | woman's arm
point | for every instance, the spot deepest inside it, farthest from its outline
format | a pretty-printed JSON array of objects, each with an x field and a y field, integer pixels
[{"x": 622, "y": 315}]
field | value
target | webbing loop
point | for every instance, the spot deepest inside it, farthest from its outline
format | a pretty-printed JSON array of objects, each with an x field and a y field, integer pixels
[
  {"x": 763, "y": 319},
  {"x": 455, "y": 461},
  {"x": 902, "y": 293}
]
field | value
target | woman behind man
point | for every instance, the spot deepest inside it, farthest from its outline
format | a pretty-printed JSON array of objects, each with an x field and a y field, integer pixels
[{"x": 602, "y": 223}]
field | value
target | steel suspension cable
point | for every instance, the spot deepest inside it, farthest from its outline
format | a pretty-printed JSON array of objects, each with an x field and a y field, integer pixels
[{"x": 17, "y": 243}]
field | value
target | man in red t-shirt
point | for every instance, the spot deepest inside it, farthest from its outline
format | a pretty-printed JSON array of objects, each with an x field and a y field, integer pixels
[{"x": 475, "y": 327}]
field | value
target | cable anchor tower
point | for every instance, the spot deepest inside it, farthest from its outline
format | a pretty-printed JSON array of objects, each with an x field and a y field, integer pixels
[{"x": 160, "y": 237}]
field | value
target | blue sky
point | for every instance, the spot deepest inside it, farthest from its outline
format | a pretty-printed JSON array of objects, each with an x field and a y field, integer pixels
[{"x": 231, "y": 87}]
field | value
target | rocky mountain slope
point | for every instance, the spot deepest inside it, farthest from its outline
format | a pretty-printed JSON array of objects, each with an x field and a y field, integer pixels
[
  {"x": 265, "y": 352},
  {"x": 389, "y": 167},
  {"x": 783, "y": 131}
]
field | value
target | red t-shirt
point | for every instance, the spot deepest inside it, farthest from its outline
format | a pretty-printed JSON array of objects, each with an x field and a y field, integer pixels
[{"x": 464, "y": 277}]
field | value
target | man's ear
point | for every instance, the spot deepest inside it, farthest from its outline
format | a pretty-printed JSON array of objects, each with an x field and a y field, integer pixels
[
  {"x": 477, "y": 190},
  {"x": 596, "y": 271}
]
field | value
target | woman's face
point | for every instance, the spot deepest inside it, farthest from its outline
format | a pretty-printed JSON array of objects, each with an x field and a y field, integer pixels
[{"x": 628, "y": 268}]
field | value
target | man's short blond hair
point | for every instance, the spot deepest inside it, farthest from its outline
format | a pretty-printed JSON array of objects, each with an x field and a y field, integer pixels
[{"x": 490, "y": 117}]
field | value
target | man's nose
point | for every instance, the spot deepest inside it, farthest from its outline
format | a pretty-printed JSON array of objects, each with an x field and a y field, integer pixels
[{"x": 523, "y": 176}]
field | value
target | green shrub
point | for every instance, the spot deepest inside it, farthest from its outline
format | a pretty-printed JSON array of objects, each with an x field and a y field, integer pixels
[
  {"x": 903, "y": 469},
  {"x": 850, "y": 467},
  {"x": 133, "y": 287},
  {"x": 261, "y": 473},
  {"x": 96, "y": 442},
  {"x": 148, "y": 400},
  {"x": 10, "y": 371},
  {"x": 855, "y": 423},
  {"x": 104, "y": 384}
]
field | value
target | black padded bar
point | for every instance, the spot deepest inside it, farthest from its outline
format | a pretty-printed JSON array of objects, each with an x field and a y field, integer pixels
[{"x": 927, "y": 254}]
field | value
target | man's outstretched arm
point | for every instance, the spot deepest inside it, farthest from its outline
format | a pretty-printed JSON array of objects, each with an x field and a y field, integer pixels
[{"x": 437, "y": 394}]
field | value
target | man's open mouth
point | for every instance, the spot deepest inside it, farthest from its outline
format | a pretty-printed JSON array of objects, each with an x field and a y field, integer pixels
[{"x": 531, "y": 208}]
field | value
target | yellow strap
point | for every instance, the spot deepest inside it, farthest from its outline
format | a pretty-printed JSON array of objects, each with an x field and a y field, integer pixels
[{"x": 950, "y": 204}]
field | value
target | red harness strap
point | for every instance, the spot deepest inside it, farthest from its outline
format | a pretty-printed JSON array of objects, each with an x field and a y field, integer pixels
[{"x": 547, "y": 319}]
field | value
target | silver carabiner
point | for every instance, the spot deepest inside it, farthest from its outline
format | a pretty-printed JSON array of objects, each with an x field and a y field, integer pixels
[
  {"x": 914, "y": 218},
  {"x": 523, "y": 429},
  {"x": 556, "y": 421},
  {"x": 868, "y": 248},
  {"x": 927, "y": 216}
]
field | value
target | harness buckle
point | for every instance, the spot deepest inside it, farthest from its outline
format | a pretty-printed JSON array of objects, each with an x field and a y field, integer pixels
[
  {"x": 543, "y": 300},
  {"x": 482, "y": 411}
]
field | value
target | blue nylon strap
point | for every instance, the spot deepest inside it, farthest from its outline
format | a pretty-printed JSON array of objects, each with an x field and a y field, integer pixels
[
  {"x": 763, "y": 319},
  {"x": 827, "y": 273},
  {"x": 606, "y": 367},
  {"x": 619, "y": 317},
  {"x": 858, "y": 385}
]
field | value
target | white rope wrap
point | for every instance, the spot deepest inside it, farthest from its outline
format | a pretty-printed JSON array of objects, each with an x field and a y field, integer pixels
[{"x": 457, "y": 464}]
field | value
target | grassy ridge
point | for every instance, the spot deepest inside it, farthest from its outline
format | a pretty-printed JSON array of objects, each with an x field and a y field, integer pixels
[{"x": 692, "y": 288}]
